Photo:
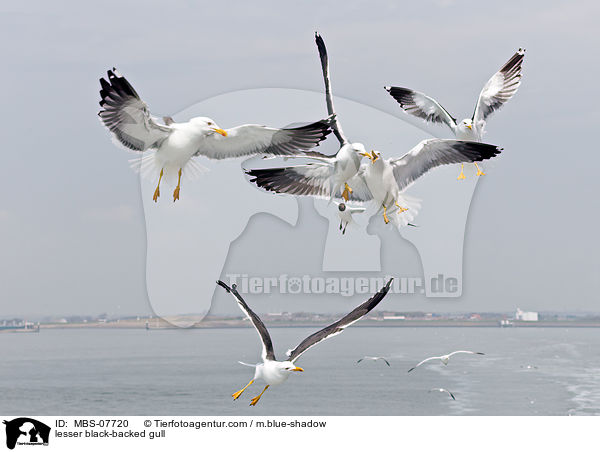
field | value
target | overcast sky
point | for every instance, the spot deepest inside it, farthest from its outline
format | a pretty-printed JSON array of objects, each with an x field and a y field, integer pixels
[{"x": 73, "y": 236}]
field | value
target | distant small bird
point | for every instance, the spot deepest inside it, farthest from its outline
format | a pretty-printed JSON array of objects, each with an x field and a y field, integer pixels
[
  {"x": 529, "y": 366},
  {"x": 443, "y": 390},
  {"x": 445, "y": 358},
  {"x": 374, "y": 358},
  {"x": 345, "y": 213}
]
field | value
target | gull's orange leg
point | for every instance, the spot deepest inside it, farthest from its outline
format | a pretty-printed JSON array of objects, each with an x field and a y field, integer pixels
[
  {"x": 257, "y": 398},
  {"x": 461, "y": 176},
  {"x": 385, "y": 217},
  {"x": 176, "y": 192},
  {"x": 347, "y": 191},
  {"x": 400, "y": 209},
  {"x": 479, "y": 172},
  {"x": 237, "y": 394},
  {"x": 157, "y": 191}
]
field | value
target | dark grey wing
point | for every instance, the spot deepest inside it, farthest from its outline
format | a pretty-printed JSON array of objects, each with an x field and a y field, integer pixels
[
  {"x": 431, "y": 153},
  {"x": 312, "y": 179},
  {"x": 500, "y": 88},
  {"x": 127, "y": 116},
  {"x": 265, "y": 338},
  {"x": 339, "y": 326},
  {"x": 386, "y": 361},
  {"x": 337, "y": 127},
  {"x": 422, "y": 106},
  {"x": 252, "y": 139}
]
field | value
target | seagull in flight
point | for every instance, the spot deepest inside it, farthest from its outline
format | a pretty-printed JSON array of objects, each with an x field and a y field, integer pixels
[
  {"x": 345, "y": 213},
  {"x": 275, "y": 372},
  {"x": 374, "y": 358},
  {"x": 383, "y": 181},
  {"x": 445, "y": 358},
  {"x": 128, "y": 119},
  {"x": 379, "y": 181},
  {"x": 326, "y": 176},
  {"x": 501, "y": 87},
  {"x": 443, "y": 390}
]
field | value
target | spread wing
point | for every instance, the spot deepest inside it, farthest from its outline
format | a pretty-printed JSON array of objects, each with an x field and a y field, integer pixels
[
  {"x": 355, "y": 209},
  {"x": 127, "y": 116},
  {"x": 312, "y": 179},
  {"x": 431, "y": 153},
  {"x": 265, "y": 338},
  {"x": 423, "y": 362},
  {"x": 337, "y": 127},
  {"x": 339, "y": 326},
  {"x": 500, "y": 88},
  {"x": 252, "y": 139},
  {"x": 466, "y": 351},
  {"x": 422, "y": 106}
]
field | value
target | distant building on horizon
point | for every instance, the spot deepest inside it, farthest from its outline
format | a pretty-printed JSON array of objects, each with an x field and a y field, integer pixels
[{"x": 526, "y": 316}]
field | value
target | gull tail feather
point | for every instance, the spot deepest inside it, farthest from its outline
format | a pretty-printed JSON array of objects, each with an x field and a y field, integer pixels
[
  {"x": 148, "y": 168},
  {"x": 405, "y": 218},
  {"x": 246, "y": 364}
]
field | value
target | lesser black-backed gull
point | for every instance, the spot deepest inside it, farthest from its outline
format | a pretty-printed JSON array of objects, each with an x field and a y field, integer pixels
[
  {"x": 345, "y": 213},
  {"x": 373, "y": 358},
  {"x": 274, "y": 372},
  {"x": 129, "y": 120},
  {"x": 443, "y": 390},
  {"x": 327, "y": 176},
  {"x": 445, "y": 358},
  {"x": 382, "y": 181},
  {"x": 496, "y": 92}
]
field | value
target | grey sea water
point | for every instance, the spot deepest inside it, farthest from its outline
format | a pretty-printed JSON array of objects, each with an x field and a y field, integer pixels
[{"x": 526, "y": 371}]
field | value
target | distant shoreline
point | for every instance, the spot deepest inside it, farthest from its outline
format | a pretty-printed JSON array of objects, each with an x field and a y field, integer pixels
[{"x": 156, "y": 324}]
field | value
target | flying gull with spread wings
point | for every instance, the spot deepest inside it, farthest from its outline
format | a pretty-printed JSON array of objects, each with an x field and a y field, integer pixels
[
  {"x": 445, "y": 358},
  {"x": 275, "y": 372},
  {"x": 331, "y": 172},
  {"x": 443, "y": 390},
  {"x": 380, "y": 181},
  {"x": 373, "y": 358},
  {"x": 174, "y": 144},
  {"x": 383, "y": 181},
  {"x": 345, "y": 214},
  {"x": 496, "y": 92}
]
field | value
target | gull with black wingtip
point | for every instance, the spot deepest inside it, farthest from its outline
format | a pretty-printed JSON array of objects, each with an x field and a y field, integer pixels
[
  {"x": 174, "y": 144},
  {"x": 274, "y": 372},
  {"x": 444, "y": 359},
  {"x": 326, "y": 176},
  {"x": 498, "y": 90}
]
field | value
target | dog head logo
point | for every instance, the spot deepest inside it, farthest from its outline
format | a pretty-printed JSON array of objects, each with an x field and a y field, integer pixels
[{"x": 26, "y": 431}]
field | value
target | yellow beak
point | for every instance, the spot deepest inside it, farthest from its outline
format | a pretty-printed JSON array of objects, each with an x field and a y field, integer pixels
[
  {"x": 220, "y": 132},
  {"x": 297, "y": 369},
  {"x": 470, "y": 126},
  {"x": 371, "y": 156}
]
